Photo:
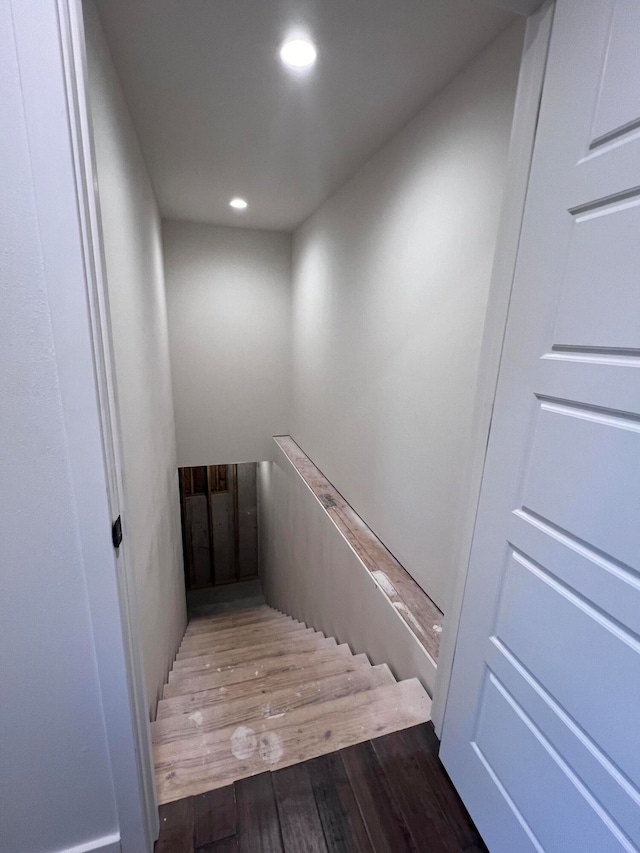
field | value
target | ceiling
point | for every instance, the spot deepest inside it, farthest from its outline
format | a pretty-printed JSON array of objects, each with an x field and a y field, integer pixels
[{"x": 219, "y": 116}]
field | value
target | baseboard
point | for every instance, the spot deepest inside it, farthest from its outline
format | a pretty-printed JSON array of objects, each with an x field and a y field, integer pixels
[{"x": 105, "y": 844}]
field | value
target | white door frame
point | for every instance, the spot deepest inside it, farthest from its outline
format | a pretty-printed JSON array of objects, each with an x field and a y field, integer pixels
[
  {"x": 74, "y": 57},
  {"x": 50, "y": 44},
  {"x": 525, "y": 119}
]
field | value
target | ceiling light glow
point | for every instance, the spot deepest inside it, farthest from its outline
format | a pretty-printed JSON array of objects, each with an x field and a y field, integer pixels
[
  {"x": 238, "y": 204},
  {"x": 298, "y": 53}
]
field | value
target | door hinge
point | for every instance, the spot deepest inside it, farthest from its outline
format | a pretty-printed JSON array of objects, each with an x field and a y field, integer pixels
[{"x": 116, "y": 532}]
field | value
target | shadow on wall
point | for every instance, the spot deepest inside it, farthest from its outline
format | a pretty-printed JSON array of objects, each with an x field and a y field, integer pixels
[{"x": 219, "y": 524}]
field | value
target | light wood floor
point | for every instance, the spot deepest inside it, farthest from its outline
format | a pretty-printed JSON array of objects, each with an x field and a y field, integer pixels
[{"x": 253, "y": 690}]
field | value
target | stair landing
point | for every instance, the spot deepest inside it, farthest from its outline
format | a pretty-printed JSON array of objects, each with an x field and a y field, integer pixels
[{"x": 254, "y": 690}]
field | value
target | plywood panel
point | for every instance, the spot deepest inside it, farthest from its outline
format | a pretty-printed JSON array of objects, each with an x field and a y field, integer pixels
[{"x": 247, "y": 520}]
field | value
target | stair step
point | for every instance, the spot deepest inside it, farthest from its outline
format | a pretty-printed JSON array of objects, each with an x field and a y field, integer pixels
[
  {"x": 235, "y": 611},
  {"x": 222, "y": 622},
  {"x": 246, "y": 654},
  {"x": 254, "y": 661},
  {"x": 247, "y": 672},
  {"x": 290, "y": 680},
  {"x": 212, "y": 760},
  {"x": 228, "y": 645},
  {"x": 246, "y": 709},
  {"x": 240, "y": 636}
]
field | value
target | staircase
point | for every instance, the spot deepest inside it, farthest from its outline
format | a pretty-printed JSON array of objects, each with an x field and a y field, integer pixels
[{"x": 253, "y": 690}]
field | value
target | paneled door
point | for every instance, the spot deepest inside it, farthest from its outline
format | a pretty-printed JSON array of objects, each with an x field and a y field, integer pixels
[{"x": 541, "y": 733}]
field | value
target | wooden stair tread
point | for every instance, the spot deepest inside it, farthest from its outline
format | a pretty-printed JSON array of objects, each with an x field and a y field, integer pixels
[
  {"x": 215, "y": 759},
  {"x": 246, "y": 654},
  {"x": 256, "y": 642},
  {"x": 245, "y": 628},
  {"x": 289, "y": 679},
  {"x": 267, "y": 704},
  {"x": 241, "y": 635},
  {"x": 228, "y": 622},
  {"x": 216, "y": 618},
  {"x": 247, "y": 672}
]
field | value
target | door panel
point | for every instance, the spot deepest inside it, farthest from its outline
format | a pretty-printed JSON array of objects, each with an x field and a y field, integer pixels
[
  {"x": 548, "y": 793},
  {"x": 618, "y": 106},
  {"x": 588, "y": 315},
  {"x": 541, "y": 728}
]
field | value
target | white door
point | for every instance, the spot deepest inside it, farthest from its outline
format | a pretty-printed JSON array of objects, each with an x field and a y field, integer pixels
[{"x": 542, "y": 729}]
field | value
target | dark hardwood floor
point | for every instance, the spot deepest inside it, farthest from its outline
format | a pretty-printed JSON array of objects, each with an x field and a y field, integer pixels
[{"x": 388, "y": 795}]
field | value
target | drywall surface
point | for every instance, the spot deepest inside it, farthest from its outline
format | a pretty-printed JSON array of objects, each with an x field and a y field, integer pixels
[
  {"x": 55, "y": 781},
  {"x": 390, "y": 285},
  {"x": 309, "y": 571},
  {"x": 135, "y": 280},
  {"x": 229, "y": 303}
]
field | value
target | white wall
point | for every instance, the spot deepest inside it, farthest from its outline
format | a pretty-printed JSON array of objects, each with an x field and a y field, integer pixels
[
  {"x": 311, "y": 572},
  {"x": 135, "y": 278},
  {"x": 390, "y": 284},
  {"x": 55, "y": 780},
  {"x": 229, "y": 302}
]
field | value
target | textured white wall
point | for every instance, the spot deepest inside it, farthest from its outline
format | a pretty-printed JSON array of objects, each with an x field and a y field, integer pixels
[
  {"x": 229, "y": 302},
  {"x": 55, "y": 779},
  {"x": 135, "y": 279},
  {"x": 390, "y": 283}
]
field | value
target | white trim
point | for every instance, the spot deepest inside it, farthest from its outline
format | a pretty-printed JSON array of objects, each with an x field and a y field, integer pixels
[
  {"x": 525, "y": 119},
  {"x": 50, "y": 41},
  {"x": 74, "y": 53},
  {"x": 106, "y": 844}
]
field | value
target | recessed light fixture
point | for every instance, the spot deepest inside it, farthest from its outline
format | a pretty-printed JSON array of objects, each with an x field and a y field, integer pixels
[
  {"x": 238, "y": 203},
  {"x": 298, "y": 53}
]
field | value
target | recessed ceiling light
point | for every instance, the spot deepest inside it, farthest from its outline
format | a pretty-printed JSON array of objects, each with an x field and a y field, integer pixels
[
  {"x": 238, "y": 204},
  {"x": 298, "y": 53}
]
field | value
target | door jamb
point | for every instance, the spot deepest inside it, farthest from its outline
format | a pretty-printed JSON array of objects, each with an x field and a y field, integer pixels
[
  {"x": 523, "y": 132},
  {"x": 137, "y": 775}
]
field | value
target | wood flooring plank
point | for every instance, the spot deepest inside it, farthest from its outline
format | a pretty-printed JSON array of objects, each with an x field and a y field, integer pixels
[
  {"x": 240, "y": 636},
  {"x": 423, "y": 744},
  {"x": 214, "y": 816},
  {"x": 228, "y": 845},
  {"x": 342, "y": 823},
  {"x": 300, "y": 823},
  {"x": 219, "y": 646},
  {"x": 234, "y": 657},
  {"x": 176, "y": 827},
  {"x": 249, "y": 672},
  {"x": 258, "y": 824},
  {"x": 291, "y": 679},
  {"x": 215, "y": 759},
  {"x": 429, "y": 829},
  {"x": 269, "y": 703},
  {"x": 382, "y": 817}
]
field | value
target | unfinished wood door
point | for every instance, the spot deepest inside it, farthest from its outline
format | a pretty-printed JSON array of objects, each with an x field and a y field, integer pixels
[
  {"x": 219, "y": 524},
  {"x": 542, "y": 724}
]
